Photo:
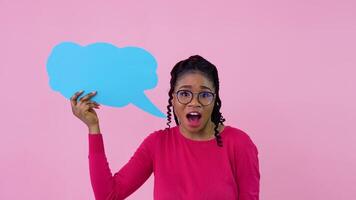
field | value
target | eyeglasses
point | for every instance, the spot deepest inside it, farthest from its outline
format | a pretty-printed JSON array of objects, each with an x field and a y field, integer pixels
[{"x": 185, "y": 96}]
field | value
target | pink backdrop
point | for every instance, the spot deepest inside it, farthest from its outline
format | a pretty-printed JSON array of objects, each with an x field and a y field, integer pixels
[{"x": 287, "y": 73}]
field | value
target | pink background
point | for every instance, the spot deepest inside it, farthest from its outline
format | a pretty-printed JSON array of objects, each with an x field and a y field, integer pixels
[{"x": 287, "y": 72}]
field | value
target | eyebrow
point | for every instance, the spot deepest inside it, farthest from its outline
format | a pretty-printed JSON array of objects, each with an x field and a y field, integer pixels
[{"x": 190, "y": 87}]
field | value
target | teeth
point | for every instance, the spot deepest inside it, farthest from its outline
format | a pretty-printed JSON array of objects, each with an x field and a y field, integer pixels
[{"x": 194, "y": 113}]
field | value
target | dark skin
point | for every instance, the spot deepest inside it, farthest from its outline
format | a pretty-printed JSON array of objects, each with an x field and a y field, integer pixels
[
  {"x": 84, "y": 110},
  {"x": 195, "y": 82}
]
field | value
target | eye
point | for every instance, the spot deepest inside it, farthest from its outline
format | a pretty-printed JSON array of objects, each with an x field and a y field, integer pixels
[
  {"x": 206, "y": 95},
  {"x": 184, "y": 93}
]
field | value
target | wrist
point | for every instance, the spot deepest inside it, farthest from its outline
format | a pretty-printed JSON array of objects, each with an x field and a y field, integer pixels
[{"x": 95, "y": 129}]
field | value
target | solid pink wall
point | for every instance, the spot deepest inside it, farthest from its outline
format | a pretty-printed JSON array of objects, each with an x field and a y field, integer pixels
[{"x": 287, "y": 71}]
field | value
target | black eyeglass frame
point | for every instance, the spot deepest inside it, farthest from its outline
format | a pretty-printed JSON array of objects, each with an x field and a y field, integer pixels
[{"x": 194, "y": 93}]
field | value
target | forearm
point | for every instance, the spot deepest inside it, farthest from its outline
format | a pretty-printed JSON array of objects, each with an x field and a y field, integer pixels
[
  {"x": 100, "y": 175},
  {"x": 129, "y": 178}
]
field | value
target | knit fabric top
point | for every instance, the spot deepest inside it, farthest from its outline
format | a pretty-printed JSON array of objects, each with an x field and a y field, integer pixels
[{"x": 183, "y": 168}]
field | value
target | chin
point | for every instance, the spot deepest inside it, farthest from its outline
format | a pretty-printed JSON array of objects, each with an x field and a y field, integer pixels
[{"x": 195, "y": 128}]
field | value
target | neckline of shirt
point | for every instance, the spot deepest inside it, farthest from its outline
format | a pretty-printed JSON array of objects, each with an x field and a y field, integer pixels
[{"x": 177, "y": 131}]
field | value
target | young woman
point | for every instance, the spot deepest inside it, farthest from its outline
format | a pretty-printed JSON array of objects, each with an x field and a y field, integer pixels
[{"x": 199, "y": 158}]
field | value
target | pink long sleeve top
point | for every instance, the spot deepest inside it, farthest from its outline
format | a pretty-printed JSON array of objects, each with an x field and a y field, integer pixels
[{"x": 183, "y": 169}]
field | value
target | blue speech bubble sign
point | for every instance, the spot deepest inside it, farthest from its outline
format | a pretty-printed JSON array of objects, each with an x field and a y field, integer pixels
[{"x": 119, "y": 75}]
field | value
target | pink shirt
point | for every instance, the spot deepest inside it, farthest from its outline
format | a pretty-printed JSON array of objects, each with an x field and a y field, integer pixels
[{"x": 183, "y": 168}]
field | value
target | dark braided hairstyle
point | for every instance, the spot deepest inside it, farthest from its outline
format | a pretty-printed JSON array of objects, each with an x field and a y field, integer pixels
[{"x": 197, "y": 63}]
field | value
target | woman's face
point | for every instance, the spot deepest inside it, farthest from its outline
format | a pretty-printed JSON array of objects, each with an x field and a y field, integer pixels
[{"x": 193, "y": 116}]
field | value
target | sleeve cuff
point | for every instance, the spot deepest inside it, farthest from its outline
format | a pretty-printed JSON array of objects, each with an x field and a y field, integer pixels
[{"x": 96, "y": 144}]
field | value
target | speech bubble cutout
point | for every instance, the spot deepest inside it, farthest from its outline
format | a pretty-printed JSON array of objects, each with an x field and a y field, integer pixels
[{"x": 119, "y": 75}]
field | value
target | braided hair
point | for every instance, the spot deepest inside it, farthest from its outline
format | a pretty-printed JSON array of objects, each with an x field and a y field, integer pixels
[{"x": 197, "y": 63}]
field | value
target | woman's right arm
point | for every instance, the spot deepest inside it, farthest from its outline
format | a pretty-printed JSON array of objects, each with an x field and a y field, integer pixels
[{"x": 130, "y": 177}]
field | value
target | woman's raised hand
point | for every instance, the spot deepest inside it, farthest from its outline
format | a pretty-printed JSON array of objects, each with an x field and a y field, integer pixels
[{"x": 84, "y": 110}]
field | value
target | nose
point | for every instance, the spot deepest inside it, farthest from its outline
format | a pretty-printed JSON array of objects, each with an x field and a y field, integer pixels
[{"x": 194, "y": 101}]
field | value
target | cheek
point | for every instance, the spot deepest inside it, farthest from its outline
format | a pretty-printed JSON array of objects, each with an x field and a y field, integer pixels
[
  {"x": 177, "y": 107},
  {"x": 208, "y": 112}
]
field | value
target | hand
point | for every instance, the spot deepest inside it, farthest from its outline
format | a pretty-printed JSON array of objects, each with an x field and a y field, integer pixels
[{"x": 83, "y": 109}]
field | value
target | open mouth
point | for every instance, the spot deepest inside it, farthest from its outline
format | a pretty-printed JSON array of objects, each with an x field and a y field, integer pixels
[{"x": 193, "y": 116}]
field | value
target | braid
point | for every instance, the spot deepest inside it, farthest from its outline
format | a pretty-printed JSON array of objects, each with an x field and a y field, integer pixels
[
  {"x": 170, "y": 94},
  {"x": 217, "y": 119},
  {"x": 169, "y": 115}
]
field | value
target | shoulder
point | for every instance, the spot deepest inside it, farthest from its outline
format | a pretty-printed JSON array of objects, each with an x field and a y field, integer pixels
[
  {"x": 237, "y": 137},
  {"x": 235, "y": 134},
  {"x": 160, "y": 134},
  {"x": 156, "y": 139}
]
